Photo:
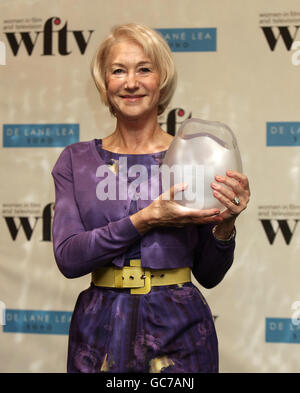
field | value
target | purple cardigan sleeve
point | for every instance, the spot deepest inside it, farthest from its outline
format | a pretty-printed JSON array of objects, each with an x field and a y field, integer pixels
[
  {"x": 213, "y": 257},
  {"x": 78, "y": 251}
]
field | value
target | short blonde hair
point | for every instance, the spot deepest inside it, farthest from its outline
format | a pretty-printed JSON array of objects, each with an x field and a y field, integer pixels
[{"x": 154, "y": 46}]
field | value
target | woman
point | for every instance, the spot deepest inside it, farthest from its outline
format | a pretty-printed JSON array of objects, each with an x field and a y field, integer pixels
[{"x": 141, "y": 312}]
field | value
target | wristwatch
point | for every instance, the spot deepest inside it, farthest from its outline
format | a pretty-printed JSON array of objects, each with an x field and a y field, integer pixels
[{"x": 232, "y": 235}]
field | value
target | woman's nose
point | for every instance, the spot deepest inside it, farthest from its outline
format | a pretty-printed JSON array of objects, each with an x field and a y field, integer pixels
[{"x": 131, "y": 81}]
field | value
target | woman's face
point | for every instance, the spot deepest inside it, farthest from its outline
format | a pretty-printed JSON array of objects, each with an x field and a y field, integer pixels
[{"x": 132, "y": 81}]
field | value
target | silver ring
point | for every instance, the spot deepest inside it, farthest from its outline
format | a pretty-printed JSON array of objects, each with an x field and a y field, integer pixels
[{"x": 236, "y": 201}]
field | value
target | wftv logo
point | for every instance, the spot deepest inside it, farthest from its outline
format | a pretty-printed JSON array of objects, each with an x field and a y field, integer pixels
[
  {"x": 283, "y": 226},
  {"x": 15, "y": 39},
  {"x": 24, "y": 223},
  {"x": 173, "y": 119},
  {"x": 273, "y": 33}
]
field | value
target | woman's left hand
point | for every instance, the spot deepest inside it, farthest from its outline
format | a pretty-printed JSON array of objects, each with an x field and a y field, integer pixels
[{"x": 235, "y": 196}]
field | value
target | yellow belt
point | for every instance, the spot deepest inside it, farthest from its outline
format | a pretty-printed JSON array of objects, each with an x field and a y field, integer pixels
[{"x": 139, "y": 279}]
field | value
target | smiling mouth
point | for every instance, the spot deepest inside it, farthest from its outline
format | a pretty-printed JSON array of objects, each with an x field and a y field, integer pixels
[{"x": 132, "y": 98}]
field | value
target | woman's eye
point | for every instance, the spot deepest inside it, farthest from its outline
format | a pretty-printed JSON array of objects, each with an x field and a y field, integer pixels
[
  {"x": 145, "y": 69},
  {"x": 117, "y": 71}
]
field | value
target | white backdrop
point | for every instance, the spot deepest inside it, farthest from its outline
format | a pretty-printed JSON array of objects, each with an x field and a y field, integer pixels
[{"x": 48, "y": 100}]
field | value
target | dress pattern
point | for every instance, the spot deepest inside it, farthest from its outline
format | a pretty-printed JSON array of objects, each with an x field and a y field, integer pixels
[{"x": 168, "y": 330}]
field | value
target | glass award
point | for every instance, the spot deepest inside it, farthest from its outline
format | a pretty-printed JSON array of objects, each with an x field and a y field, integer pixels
[{"x": 200, "y": 150}]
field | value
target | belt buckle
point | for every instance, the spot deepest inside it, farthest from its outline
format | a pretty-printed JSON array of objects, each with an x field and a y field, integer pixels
[{"x": 147, "y": 279}]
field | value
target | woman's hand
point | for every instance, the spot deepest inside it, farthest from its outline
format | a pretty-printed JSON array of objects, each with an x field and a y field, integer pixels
[
  {"x": 164, "y": 211},
  {"x": 237, "y": 187},
  {"x": 234, "y": 197}
]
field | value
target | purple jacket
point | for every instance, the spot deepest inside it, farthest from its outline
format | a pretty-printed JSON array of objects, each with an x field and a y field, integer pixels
[{"x": 89, "y": 233}]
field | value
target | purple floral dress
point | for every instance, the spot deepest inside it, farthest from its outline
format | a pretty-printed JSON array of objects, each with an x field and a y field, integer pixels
[{"x": 168, "y": 330}]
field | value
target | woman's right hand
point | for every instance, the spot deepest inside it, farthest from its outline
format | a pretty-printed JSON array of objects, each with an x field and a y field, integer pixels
[{"x": 164, "y": 211}]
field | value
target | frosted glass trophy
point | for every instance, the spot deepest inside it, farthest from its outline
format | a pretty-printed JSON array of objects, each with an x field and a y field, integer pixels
[{"x": 200, "y": 150}]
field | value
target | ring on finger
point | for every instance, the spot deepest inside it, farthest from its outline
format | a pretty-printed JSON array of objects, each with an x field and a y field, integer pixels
[{"x": 236, "y": 201}]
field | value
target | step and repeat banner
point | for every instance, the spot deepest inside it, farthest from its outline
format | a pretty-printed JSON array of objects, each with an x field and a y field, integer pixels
[{"x": 239, "y": 63}]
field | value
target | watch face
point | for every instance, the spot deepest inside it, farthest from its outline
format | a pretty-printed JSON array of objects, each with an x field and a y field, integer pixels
[{"x": 200, "y": 151}]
